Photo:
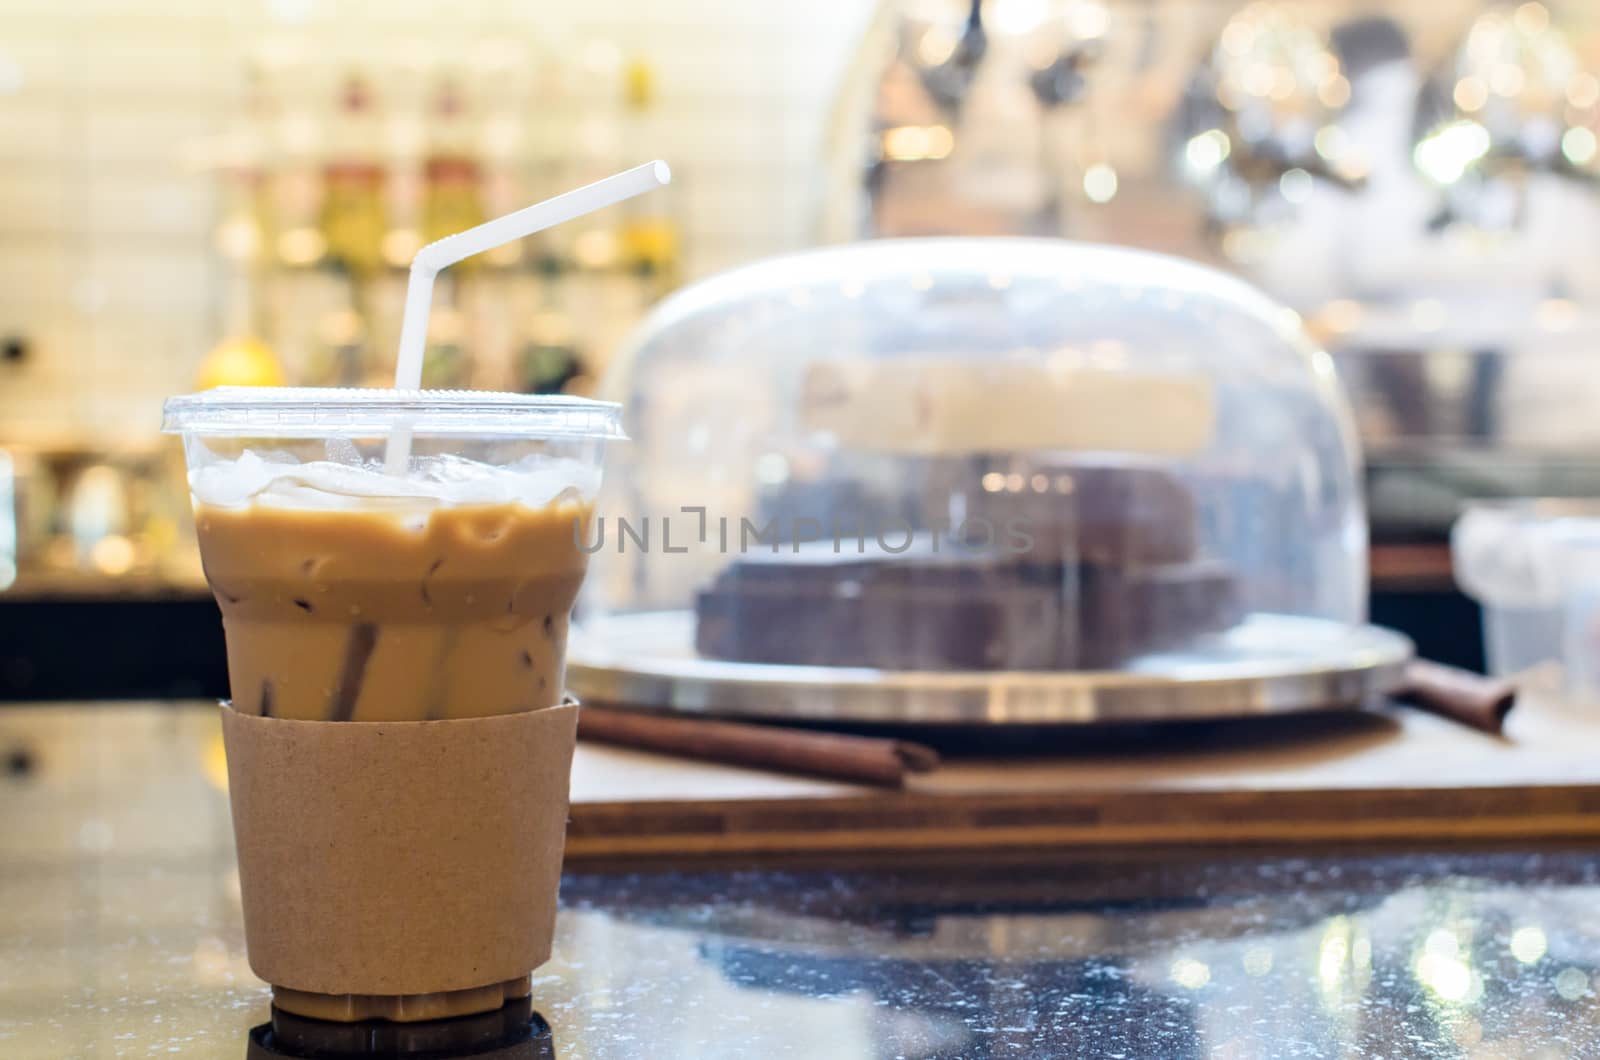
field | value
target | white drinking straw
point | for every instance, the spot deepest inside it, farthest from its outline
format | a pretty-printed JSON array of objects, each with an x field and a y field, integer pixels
[
  {"x": 525, "y": 222},
  {"x": 451, "y": 249}
]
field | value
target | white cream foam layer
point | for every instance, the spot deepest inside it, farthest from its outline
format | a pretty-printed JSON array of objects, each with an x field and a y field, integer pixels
[{"x": 432, "y": 482}]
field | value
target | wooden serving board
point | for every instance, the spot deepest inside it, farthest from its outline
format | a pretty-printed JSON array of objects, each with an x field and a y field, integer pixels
[{"x": 1391, "y": 775}]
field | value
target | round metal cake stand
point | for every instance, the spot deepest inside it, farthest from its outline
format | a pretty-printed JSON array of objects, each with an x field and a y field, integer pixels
[{"x": 1268, "y": 664}]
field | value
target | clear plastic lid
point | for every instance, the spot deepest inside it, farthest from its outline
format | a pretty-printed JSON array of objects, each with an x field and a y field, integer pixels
[{"x": 313, "y": 412}]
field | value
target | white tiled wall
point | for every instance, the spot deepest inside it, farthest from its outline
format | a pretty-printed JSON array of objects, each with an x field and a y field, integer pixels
[{"x": 105, "y": 262}]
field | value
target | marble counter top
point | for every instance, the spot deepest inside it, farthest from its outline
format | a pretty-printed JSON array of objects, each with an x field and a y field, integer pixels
[{"x": 120, "y": 937}]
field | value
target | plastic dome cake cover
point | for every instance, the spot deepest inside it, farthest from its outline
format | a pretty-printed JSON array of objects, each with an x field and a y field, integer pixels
[{"x": 973, "y": 454}]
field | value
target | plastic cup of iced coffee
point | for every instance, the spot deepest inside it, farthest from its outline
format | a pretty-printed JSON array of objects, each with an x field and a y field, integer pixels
[{"x": 398, "y": 739}]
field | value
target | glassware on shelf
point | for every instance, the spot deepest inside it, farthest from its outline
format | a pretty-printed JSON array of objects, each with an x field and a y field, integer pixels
[{"x": 325, "y": 197}]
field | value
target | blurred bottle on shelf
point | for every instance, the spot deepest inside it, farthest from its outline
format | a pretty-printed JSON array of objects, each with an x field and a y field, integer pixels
[
  {"x": 352, "y": 220},
  {"x": 407, "y": 120},
  {"x": 445, "y": 364},
  {"x": 503, "y": 295},
  {"x": 245, "y": 234},
  {"x": 649, "y": 234},
  {"x": 338, "y": 357},
  {"x": 503, "y": 142},
  {"x": 624, "y": 257},
  {"x": 597, "y": 149},
  {"x": 550, "y": 119},
  {"x": 452, "y": 191},
  {"x": 292, "y": 166},
  {"x": 550, "y": 358}
]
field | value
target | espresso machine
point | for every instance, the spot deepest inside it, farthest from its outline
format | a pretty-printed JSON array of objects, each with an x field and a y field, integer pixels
[{"x": 1418, "y": 181}]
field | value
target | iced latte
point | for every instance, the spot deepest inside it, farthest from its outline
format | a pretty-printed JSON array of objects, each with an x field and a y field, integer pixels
[{"x": 353, "y": 593}]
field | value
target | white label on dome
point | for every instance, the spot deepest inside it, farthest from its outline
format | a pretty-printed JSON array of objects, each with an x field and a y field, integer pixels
[{"x": 951, "y": 405}]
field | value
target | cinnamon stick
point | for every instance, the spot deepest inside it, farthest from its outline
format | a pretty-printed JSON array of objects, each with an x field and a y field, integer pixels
[
  {"x": 1460, "y": 695},
  {"x": 864, "y": 759}
]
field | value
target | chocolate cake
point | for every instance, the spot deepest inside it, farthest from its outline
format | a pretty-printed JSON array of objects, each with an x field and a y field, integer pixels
[
  {"x": 814, "y": 608},
  {"x": 1127, "y": 611},
  {"x": 1113, "y": 572}
]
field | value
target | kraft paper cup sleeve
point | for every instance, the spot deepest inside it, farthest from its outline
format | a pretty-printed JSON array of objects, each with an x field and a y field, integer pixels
[{"x": 399, "y": 857}]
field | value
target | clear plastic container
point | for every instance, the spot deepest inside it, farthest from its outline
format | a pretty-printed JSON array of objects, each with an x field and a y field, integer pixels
[
  {"x": 1534, "y": 566},
  {"x": 973, "y": 454}
]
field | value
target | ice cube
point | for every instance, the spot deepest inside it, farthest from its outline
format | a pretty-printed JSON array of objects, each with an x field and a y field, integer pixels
[
  {"x": 343, "y": 451},
  {"x": 232, "y": 483}
]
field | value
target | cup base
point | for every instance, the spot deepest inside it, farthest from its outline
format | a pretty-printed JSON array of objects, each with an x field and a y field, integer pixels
[
  {"x": 514, "y": 1032},
  {"x": 401, "y": 1008}
]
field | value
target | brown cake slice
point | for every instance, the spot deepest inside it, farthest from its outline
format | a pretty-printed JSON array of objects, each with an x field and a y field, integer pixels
[
  {"x": 917, "y": 612},
  {"x": 1128, "y": 611},
  {"x": 1112, "y": 573}
]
